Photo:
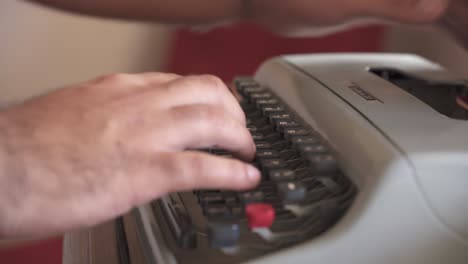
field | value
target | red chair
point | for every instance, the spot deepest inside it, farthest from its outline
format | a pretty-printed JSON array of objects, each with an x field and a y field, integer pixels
[
  {"x": 47, "y": 251},
  {"x": 238, "y": 50}
]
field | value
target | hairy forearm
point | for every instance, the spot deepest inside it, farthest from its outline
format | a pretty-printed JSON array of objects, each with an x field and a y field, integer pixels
[
  {"x": 163, "y": 11},
  {"x": 5, "y": 173}
]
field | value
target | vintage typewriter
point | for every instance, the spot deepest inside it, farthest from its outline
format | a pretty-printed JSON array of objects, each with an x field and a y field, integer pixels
[{"x": 364, "y": 159}]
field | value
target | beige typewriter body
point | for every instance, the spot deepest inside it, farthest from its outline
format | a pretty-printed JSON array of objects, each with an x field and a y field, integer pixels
[{"x": 408, "y": 161}]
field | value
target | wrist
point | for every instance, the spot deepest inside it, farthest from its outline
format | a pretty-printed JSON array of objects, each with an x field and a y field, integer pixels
[
  {"x": 9, "y": 180},
  {"x": 4, "y": 194}
]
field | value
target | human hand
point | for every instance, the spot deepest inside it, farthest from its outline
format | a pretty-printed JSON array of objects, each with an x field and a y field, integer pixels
[
  {"x": 319, "y": 16},
  {"x": 87, "y": 153}
]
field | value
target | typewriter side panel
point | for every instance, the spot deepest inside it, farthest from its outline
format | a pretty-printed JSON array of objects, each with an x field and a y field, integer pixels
[
  {"x": 390, "y": 221},
  {"x": 404, "y": 110}
]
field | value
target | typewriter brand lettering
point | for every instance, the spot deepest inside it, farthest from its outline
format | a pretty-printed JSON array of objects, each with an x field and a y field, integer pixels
[{"x": 363, "y": 93}]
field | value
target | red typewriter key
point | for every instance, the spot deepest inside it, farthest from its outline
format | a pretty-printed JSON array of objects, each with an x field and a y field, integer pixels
[{"x": 260, "y": 215}]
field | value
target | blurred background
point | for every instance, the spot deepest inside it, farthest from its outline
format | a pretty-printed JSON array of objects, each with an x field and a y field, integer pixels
[{"x": 43, "y": 49}]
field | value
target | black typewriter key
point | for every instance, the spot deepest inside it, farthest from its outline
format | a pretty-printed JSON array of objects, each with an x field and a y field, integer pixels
[
  {"x": 289, "y": 133},
  {"x": 266, "y": 153},
  {"x": 309, "y": 149},
  {"x": 223, "y": 234},
  {"x": 281, "y": 175},
  {"x": 323, "y": 163},
  {"x": 253, "y": 97},
  {"x": 264, "y": 102},
  {"x": 272, "y": 117},
  {"x": 252, "y": 90},
  {"x": 273, "y": 136},
  {"x": 256, "y": 121},
  {"x": 288, "y": 154},
  {"x": 272, "y": 109},
  {"x": 244, "y": 86},
  {"x": 303, "y": 172},
  {"x": 288, "y": 224},
  {"x": 211, "y": 198},
  {"x": 251, "y": 197},
  {"x": 291, "y": 192},
  {"x": 280, "y": 145},
  {"x": 216, "y": 210},
  {"x": 258, "y": 136},
  {"x": 285, "y": 216},
  {"x": 248, "y": 83},
  {"x": 245, "y": 81},
  {"x": 231, "y": 200},
  {"x": 237, "y": 211},
  {"x": 275, "y": 201},
  {"x": 265, "y": 184},
  {"x": 248, "y": 108},
  {"x": 202, "y": 192},
  {"x": 259, "y": 128},
  {"x": 263, "y": 145},
  {"x": 298, "y": 141},
  {"x": 254, "y": 114},
  {"x": 295, "y": 164},
  {"x": 267, "y": 190},
  {"x": 270, "y": 164},
  {"x": 281, "y": 124}
]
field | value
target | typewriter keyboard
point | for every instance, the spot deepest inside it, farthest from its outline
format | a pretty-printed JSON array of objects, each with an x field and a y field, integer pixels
[{"x": 303, "y": 191}]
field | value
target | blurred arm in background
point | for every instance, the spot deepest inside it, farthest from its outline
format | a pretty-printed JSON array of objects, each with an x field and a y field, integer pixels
[{"x": 279, "y": 15}]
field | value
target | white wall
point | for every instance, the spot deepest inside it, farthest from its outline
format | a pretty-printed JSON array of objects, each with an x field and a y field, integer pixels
[{"x": 43, "y": 49}]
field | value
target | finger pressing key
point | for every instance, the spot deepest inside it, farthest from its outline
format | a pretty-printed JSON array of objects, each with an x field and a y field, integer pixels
[{"x": 206, "y": 126}]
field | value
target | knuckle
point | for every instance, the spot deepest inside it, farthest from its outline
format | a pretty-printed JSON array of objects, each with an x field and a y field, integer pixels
[
  {"x": 185, "y": 172},
  {"x": 435, "y": 10},
  {"x": 117, "y": 78},
  {"x": 196, "y": 164},
  {"x": 209, "y": 114},
  {"x": 201, "y": 115},
  {"x": 421, "y": 10},
  {"x": 212, "y": 82}
]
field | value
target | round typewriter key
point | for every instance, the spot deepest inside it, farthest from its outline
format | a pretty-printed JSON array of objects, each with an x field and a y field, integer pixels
[
  {"x": 223, "y": 233},
  {"x": 292, "y": 192},
  {"x": 260, "y": 215}
]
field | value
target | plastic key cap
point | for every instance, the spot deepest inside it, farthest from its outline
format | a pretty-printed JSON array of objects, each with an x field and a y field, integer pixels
[
  {"x": 292, "y": 192},
  {"x": 260, "y": 215},
  {"x": 281, "y": 175},
  {"x": 261, "y": 154},
  {"x": 323, "y": 163},
  {"x": 251, "y": 197},
  {"x": 223, "y": 234}
]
